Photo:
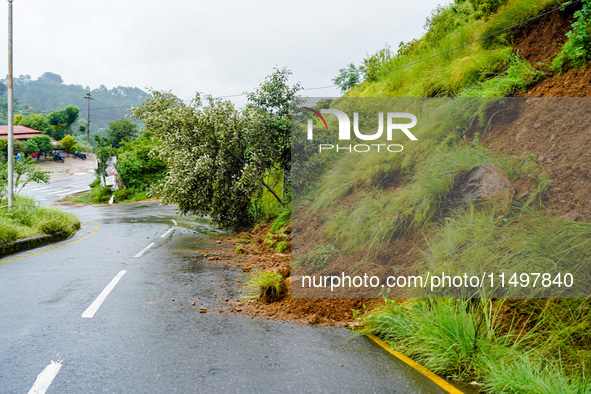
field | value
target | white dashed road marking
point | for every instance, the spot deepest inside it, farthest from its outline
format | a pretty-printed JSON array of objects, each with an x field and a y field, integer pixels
[
  {"x": 91, "y": 310},
  {"x": 167, "y": 232},
  {"x": 45, "y": 378},
  {"x": 144, "y": 250}
]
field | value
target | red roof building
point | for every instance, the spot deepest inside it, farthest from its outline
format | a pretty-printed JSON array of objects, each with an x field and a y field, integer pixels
[{"x": 19, "y": 132}]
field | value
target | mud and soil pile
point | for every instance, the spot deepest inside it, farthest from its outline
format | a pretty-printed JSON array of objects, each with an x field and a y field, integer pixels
[{"x": 256, "y": 250}]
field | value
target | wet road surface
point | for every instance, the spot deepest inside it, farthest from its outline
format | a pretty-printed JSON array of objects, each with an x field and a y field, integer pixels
[{"x": 140, "y": 341}]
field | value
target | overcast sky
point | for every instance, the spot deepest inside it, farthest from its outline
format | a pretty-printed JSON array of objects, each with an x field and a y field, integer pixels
[{"x": 220, "y": 47}]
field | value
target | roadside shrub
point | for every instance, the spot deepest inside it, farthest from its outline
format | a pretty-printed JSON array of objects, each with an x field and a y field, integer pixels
[
  {"x": 52, "y": 220},
  {"x": 96, "y": 182},
  {"x": 100, "y": 194},
  {"x": 266, "y": 286},
  {"x": 9, "y": 230},
  {"x": 123, "y": 194}
]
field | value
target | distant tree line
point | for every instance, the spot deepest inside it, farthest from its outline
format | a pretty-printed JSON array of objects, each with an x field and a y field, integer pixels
[{"x": 48, "y": 93}]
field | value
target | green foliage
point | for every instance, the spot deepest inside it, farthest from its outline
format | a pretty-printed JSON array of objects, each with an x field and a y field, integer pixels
[
  {"x": 282, "y": 246},
  {"x": 212, "y": 169},
  {"x": 452, "y": 72},
  {"x": 51, "y": 77},
  {"x": 28, "y": 219},
  {"x": 347, "y": 78},
  {"x": 45, "y": 94},
  {"x": 25, "y": 171},
  {"x": 485, "y": 8},
  {"x": 68, "y": 142},
  {"x": 100, "y": 194},
  {"x": 517, "y": 77},
  {"x": 137, "y": 168},
  {"x": 542, "y": 346},
  {"x": 35, "y": 121},
  {"x": 276, "y": 100},
  {"x": 31, "y": 146},
  {"x": 282, "y": 220},
  {"x": 445, "y": 19},
  {"x": 478, "y": 241},
  {"x": 52, "y": 220},
  {"x": 43, "y": 143},
  {"x": 576, "y": 52},
  {"x": 423, "y": 176},
  {"x": 372, "y": 65},
  {"x": 121, "y": 130},
  {"x": 61, "y": 122},
  {"x": 318, "y": 258},
  {"x": 266, "y": 286}
]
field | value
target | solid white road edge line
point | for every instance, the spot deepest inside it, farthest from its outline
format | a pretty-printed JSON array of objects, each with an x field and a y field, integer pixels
[
  {"x": 167, "y": 232},
  {"x": 45, "y": 378},
  {"x": 91, "y": 310},
  {"x": 143, "y": 250}
]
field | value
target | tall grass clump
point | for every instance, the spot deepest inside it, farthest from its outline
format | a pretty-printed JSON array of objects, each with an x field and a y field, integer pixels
[
  {"x": 517, "y": 77},
  {"x": 524, "y": 241},
  {"x": 502, "y": 345},
  {"x": 266, "y": 286}
]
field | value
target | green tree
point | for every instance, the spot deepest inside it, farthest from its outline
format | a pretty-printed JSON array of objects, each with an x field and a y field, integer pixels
[
  {"x": 31, "y": 146},
  {"x": 43, "y": 143},
  {"x": 17, "y": 119},
  {"x": 213, "y": 165},
  {"x": 51, "y": 77},
  {"x": 68, "y": 142},
  {"x": 347, "y": 78},
  {"x": 137, "y": 168},
  {"x": 35, "y": 121},
  {"x": 25, "y": 171},
  {"x": 276, "y": 99},
  {"x": 372, "y": 65},
  {"x": 62, "y": 121},
  {"x": 121, "y": 130}
]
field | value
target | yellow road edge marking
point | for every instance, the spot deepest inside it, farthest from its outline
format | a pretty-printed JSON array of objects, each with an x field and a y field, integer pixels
[
  {"x": 433, "y": 377},
  {"x": 56, "y": 247}
]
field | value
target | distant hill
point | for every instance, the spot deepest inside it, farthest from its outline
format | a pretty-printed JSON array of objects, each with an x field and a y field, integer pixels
[{"x": 48, "y": 93}]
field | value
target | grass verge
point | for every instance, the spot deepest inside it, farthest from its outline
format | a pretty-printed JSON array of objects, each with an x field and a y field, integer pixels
[{"x": 28, "y": 220}]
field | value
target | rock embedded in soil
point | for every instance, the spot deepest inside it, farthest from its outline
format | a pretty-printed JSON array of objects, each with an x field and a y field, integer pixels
[{"x": 485, "y": 183}]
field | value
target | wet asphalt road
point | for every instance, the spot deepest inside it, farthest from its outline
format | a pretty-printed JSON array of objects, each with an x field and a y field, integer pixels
[{"x": 139, "y": 341}]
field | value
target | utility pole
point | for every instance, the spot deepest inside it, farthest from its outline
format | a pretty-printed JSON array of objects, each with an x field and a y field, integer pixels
[
  {"x": 89, "y": 98},
  {"x": 10, "y": 113}
]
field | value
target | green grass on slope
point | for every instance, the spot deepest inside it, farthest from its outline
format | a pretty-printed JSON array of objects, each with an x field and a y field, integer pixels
[{"x": 457, "y": 72}]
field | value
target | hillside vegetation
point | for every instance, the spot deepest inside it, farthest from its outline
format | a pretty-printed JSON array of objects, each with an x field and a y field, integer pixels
[
  {"x": 48, "y": 93},
  {"x": 369, "y": 212}
]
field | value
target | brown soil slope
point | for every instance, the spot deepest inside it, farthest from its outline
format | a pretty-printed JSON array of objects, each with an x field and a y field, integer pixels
[{"x": 565, "y": 151}]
